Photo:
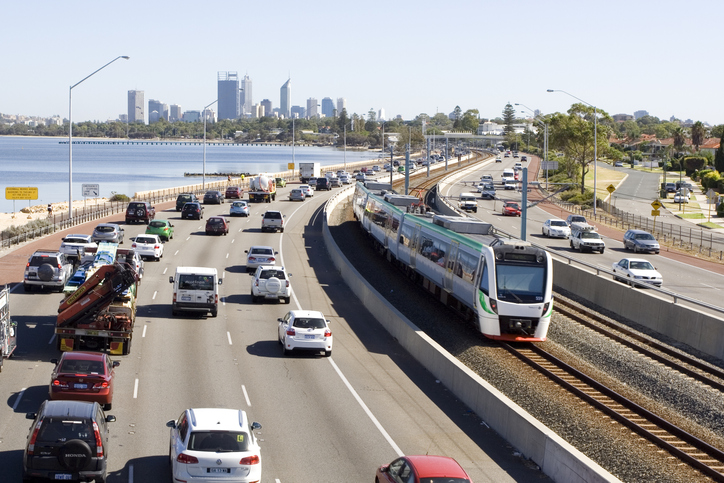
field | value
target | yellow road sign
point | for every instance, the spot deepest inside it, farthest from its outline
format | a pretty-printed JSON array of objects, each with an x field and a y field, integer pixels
[
  {"x": 655, "y": 213},
  {"x": 290, "y": 165},
  {"x": 656, "y": 204},
  {"x": 611, "y": 188},
  {"x": 21, "y": 193}
]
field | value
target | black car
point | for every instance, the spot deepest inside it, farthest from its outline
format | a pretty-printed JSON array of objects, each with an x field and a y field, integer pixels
[
  {"x": 68, "y": 440},
  {"x": 184, "y": 198},
  {"x": 193, "y": 211},
  {"x": 140, "y": 211},
  {"x": 215, "y": 197},
  {"x": 323, "y": 184}
]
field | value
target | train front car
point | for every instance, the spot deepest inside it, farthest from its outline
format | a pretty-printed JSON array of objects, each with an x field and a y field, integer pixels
[{"x": 515, "y": 292}]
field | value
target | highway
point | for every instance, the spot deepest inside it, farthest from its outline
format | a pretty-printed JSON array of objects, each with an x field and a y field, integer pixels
[{"x": 324, "y": 419}]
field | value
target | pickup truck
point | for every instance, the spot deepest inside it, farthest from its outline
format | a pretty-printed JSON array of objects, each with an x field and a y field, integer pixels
[
  {"x": 584, "y": 237},
  {"x": 272, "y": 221}
]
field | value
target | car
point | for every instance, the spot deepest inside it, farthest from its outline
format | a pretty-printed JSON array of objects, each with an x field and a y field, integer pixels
[
  {"x": 633, "y": 270},
  {"x": 271, "y": 282},
  {"x": 68, "y": 440},
  {"x": 217, "y": 225},
  {"x": 297, "y": 195},
  {"x": 195, "y": 290},
  {"x": 193, "y": 211},
  {"x": 162, "y": 228},
  {"x": 136, "y": 261},
  {"x": 640, "y": 241},
  {"x": 214, "y": 445},
  {"x": 518, "y": 166},
  {"x": 498, "y": 160},
  {"x": 239, "y": 208},
  {"x": 670, "y": 187},
  {"x": 576, "y": 219},
  {"x": 376, "y": 168},
  {"x": 345, "y": 179},
  {"x": 213, "y": 197},
  {"x": 584, "y": 238},
  {"x": 74, "y": 246},
  {"x": 511, "y": 208},
  {"x": 108, "y": 232},
  {"x": 259, "y": 255},
  {"x": 47, "y": 269},
  {"x": 280, "y": 182},
  {"x": 487, "y": 191},
  {"x": 312, "y": 182},
  {"x": 140, "y": 211},
  {"x": 400, "y": 169},
  {"x": 322, "y": 184},
  {"x": 422, "y": 469},
  {"x": 149, "y": 246},
  {"x": 680, "y": 197},
  {"x": 618, "y": 164},
  {"x": 83, "y": 376},
  {"x": 555, "y": 227},
  {"x": 272, "y": 220},
  {"x": 234, "y": 192},
  {"x": 307, "y": 190},
  {"x": 524, "y": 158},
  {"x": 305, "y": 330},
  {"x": 76, "y": 280},
  {"x": 486, "y": 178},
  {"x": 184, "y": 198},
  {"x": 334, "y": 182},
  {"x": 506, "y": 155},
  {"x": 364, "y": 169}
]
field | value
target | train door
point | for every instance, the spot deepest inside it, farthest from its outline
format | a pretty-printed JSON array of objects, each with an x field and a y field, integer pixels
[
  {"x": 450, "y": 261},
  {"x": 413, "y": 246}
]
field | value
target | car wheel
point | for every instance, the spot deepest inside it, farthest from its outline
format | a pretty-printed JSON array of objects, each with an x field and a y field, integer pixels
[
  {"x": 327, "y": 353},
  {"x": 214, "y": 312},
  {"x": 107, "y": 407},
  {"x": 157, "y": 258},
  {"x": 287, "y": 300},
  {"x": 571, "y": 243},
  {"x": 281, "y": 230},
  {"x": 285, "y": 351}
]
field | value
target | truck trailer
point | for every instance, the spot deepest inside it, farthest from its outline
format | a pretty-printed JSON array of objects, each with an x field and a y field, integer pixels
[
  {"x": 8, "y": 330},
  {"x": 308, "y": 171}
]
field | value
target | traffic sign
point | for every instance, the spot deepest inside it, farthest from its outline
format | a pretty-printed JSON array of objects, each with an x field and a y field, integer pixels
[
  {"x": 26, "y": 193},
  {"x": 290, "y": 166},
  {"x": 611, "y": 188},
  {"x": 90, "y": 190},
  {"x": 656, "y": 204},
  {"x": 711, "y": 196},
  {"x": 655, "y": 213}
]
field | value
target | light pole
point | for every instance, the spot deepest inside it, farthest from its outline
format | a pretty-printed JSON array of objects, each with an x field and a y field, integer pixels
[
  {"x": 203, "y": 113},
  {"x": 70, "y": 133},
  {"x": 545, "y": 137},
  {"x": 595, "y": 141}
]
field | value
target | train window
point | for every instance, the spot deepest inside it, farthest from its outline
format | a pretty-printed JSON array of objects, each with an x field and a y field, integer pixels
[
  {"x": 484, "y": 283},
  {"x": 395, "y": 223},
  {"x": 406, "y": 235},
  {"x": 465, "y": 266},
  {"x": 433, "y": 249}
]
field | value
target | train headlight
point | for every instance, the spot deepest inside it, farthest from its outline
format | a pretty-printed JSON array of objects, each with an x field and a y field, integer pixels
[
  {"x": 545, "y": 308},
  {"x": 494, "y": 305}
]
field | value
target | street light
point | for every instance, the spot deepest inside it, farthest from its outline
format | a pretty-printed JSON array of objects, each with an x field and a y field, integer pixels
[
  {"x": 203, "y": 113},
  {"x": 70, "y": 133},
  {"x": 545, "y": 137},
  {"x": 595, "y": 141}
]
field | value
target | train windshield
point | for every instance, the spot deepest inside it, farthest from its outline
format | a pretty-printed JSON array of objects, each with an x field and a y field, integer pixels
[{"x": 521, "y": 284}]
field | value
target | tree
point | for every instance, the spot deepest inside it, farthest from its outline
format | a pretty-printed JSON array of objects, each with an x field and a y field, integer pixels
[
  {"x": 458, "y": 117},
  {"x": 508, "y": 119},
  {"x": 679, "y": 140},
  {"x": 719, "y": 157},
  {"x": 470, "y": 121},
  {"x": 698, "y": 131}
]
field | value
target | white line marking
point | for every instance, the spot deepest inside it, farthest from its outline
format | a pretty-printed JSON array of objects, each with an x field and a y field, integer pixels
[
  {"x": 144, "y": 331},
  {"x": 135, "y": 389},
  {"x": 51, "y": 339},
  {"x": 20, "y": 395},
  {"x": 154, "y": 295},
  {"x": 246, "y": 396},
  {"x": 227, "y": 255},
  {"x": 710, "y": 286},
  {"x": 228, "y": 335},
  {"x": 164, "y": 271},
  {"x": 232, "y": 240},
  {"x": 188, "y": 238},
  {"x": 176, "y": 252},
  {"x": 130, "y": 473}
]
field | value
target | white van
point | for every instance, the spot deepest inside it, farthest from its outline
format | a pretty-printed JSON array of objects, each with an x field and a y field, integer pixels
[
  {"x": 468, "y": 202},
  {"x": 195, "y": 289},
  {"x": 508, "y": 173}
]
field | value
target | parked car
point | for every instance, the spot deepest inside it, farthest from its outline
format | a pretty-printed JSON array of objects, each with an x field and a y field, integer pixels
[
  {"x": 636, "y": 272},
  {"x": 217, "y": 225},
  {"x": 305, "y": 330},
  {"x": 272, "y": 220},
  {"x": 670, "y": 187},
  {"x": 233, "y": 192},
  {"x": 162, "y": 228},
  {"x": 618, "y": 164},
  {"x": 140, "y": 211},
  {"x": 213, "y": 197},
  {"x": 67, "y": 440},
  {"x": 83, "y": 376},
  {"x": 108, "y": 232},
  {"x": 323, "y": 184},
  {"x": 280, "y": 182},
  {"x": 239, "y": 208},
  {"x": 184, "y": 198},
  {"x": 555, "y": 227},
  {"x": 297, "y": 195},
  {"x": 640, "y": 241},
  {"x": 679, "y": 197},
  {"x": 259, "y": 255},
  {"x": 511, "y": 208},
  {"x": 47, "y": 269},
  {"x": 422, "y": 469},
  {"x": 214, "y": 444},
  {"x": 271, "y": 283},
  {"x": 149, "y": 246},
  {"x": 308, "y": 191},
  {"x": 193, "y": 211}
]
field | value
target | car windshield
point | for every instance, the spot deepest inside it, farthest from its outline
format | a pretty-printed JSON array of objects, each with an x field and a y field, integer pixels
[
  {"x": 558, "y": 223},
  {"x": 520, "y": 283},
  {"x": 184, "y": 197},
  {"x": 305, "y": 323},
  {"x": 238, "y": 204},
  {"x": 578, "y": 219},
  {"x": 272, "y": 214},
  {"x": 644, "y": 236},
  {"x": 75, "y": 240},
  {"x": 62, "y": 430},
  {"x": 196, "y": 282},
  {"x": 512, "y": 205},
  {"x": 157, "y": 224},
  {"x": 590, "y": 234},
  {"x": 78, "y": 366},
  {"x": 191, "y": 206},
  {"x": 272, "y": 273},
  {"x": 641, "y": 266},
  {"x": 262, "y": 251},
  {"x": 219, "y": 441},
  {"x": 215, "y": 221}
]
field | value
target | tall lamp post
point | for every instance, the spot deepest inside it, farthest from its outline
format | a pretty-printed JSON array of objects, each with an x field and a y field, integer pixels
[
  {"x": 595, "y": 141},
  {"x": 545, "y": 137},
  {"x": 70, "y": 133},
  {"x": 203, "y": 178}
]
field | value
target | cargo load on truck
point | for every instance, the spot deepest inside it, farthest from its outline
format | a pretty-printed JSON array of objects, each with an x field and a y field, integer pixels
[
  {"x": 262, "y": 187},
  {"x": 8, "y": 329},
  {"x": 308, "y": 171}
]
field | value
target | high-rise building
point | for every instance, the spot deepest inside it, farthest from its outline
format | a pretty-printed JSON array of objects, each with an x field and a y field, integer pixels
[
  {"x": 640, "y": 114},
  {"x": 155, "y": 111},
  {"x": 135, "y": 106},
  {"x": 381, "y": 114},
  {"x": 228, "y": 95},
  {"x": 256, "y": 111},
  {"x": 191, "y": 116},
  {"x": 341, "y": 105},
  {"x": 266, "y": 108},
  {"x": 312, "y": 108},
  {"x": 327, "y": 107},
  {"x": 175, "y": 113},
  {"x": 285, "y": 98},
  {"x": 297, "y": 111},
  {"x": 246, "y": 101}
]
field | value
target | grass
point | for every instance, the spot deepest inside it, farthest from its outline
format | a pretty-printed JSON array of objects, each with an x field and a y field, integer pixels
[
  {"x": 709, "y": 224},
  {"x": 691, "y": 216}
]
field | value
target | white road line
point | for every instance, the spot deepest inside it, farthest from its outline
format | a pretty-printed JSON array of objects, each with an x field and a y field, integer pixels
[
  {"x": 164, "y": 271},
  {"x": 144, "y": 331},
  {"x": 176, "y": 252},
  {"x": 188, "y": 238},
  {"x": 246, "y": 396},
  {"x": 135, "y": 390},
  {"x": 154, "y": 295},
  {"x": 20, "y": 395},
  {"x": 130, "y": 473},
  {"x": 232, "y": 240},
  {"x": 228, "y": 335},
  {"x": 710, "y": 286},
  {"x": 51, "y": 339},
  {"x": 227, "y": 255}
]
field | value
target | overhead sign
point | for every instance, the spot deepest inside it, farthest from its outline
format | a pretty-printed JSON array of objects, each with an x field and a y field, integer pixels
[
  {"x": 21, "y": 193},
  {"x": 91, "y": 190},
  {"x": 611, "y": 188},
  {"x": 656, "y": 204},
  {"x": 655, "y": 213}
]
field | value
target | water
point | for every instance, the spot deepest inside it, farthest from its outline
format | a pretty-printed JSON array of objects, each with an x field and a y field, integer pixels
[{"x": 127, "y": 169}]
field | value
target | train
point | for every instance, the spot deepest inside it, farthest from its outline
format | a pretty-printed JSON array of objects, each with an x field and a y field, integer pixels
[{"x": 502, "y": 284}]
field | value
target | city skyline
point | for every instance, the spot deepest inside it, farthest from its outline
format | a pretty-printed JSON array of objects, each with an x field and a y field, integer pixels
[{"x": 459, "y": 55}]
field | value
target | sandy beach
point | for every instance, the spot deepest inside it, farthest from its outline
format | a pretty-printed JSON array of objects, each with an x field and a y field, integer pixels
[{"x": 40, "y": 212}]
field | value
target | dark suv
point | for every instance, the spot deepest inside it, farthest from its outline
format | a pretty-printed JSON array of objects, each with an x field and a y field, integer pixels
[
  {"x": 140, "y": 211},
  {"x": 68, "y": 440},
  {"x": 193, "y": 211},
  {"x": 184, "y": 198},
  {"x": 323, "y": 184},
  {"x": 47, "y": 268}
]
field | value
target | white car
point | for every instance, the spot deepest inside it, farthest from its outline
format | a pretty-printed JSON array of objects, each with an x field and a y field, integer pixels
[
  {"x": 344, "y": 179},
  {"x": 305, "y": 330},
  {"x": 259, "y": 255},
  {"x": 375, "y": 168},
  {"x": 214, "y": 445},
  {"x": 633, "y": 270},
  {"x": 678, "y": 198},
  {"x": 555, "y": 227},
  {"x": 307, "y": 189},
  {"x": 71, "y": 244},
  {"x": 271, "y": 283},
  {"x": 149, "y": 246}
]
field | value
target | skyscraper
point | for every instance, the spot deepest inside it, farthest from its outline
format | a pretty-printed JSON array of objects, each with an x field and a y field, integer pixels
[
  {"x": 155, "y": 111},
  {"x": 312, "y": 108},
  {"x": 285, "y": 98},
  {"x": 175, "y": 113},
  {"x": 135, "y": 106},
  {"x": 246, "y": 101},
  {"x": 228, "y": 95},
  {"x": 341, "y": 105},
  {"x": 327, "y": 107},
  {"x": 266, "y": 107}
]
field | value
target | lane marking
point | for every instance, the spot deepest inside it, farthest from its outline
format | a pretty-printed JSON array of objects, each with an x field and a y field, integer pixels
[
  {"x": 228, "y": 335},
  {"x": 188, "y": 238},
  {"x": 164, "y": 271},
  {"x": 130, "y": 473},
  {"x": 154, "y": 295},
  {"x": 232, "y": 240},
  {"x": 710, "y": 286},
  {"x": 135, "y": 389},
  {"x": 227, "y": 255},
  {"x": 51, "y": 339},
  {"x": 144, "y": 331},
  {"x": 246, "y": 396},
  {"x": 176, "y": 252},
  {"x": 20, "y": 395}
]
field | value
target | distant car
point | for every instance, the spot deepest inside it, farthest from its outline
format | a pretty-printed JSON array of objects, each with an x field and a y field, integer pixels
[
  {"x": 307, "y": 190},
  {"x": 506, "y": 155},
  {"x": 74, "y": 245},
  {"x": 47, "y": 269},
  {"x": 239, "y": 208},
  {"x": 162, "y": 228},
  {"x": 345, "y": 179},
  {"x": 217, "y": 225},
  {"x": 83, "y": 376},
  {"x": 636, "y": 270},
  {"x": 524, "y": 158},
  {"x": 498, "y": 160},
  {"x": 376, "y": 168},
  {"x": 323, "y": 184},
  {"x": 140, "y": 211},
  {"x": 486, "y": 178},
  {"x": 556, "y": 227},
  {"x": 259, "y": 255},
  {"x": 511, "y": 208},
  {"x": 312, "y": 182},
  {"x": 213, "y": 197},
  {"x": 518, "y": 166},
  {"x": 575, "y": 219},
  {"x": 280, "y": 182},
  {"x": 149, "y": 246},
  {"x": 360, "y": 177},
  {"x": 108, "y": 232},
  {"x": 193, "y": 211},
  {"x": 618, "y": 164},
  {"x": 670, "y": 187},
  {"x": 272, "y": 220},
  {"x": 233, "y": 192},
  {"x": 640, "y": 241},
  {"x": 334, "y": 182},
  {"x": 297, "y": 195},
  {"x": 184, "y": 198},
  {"x": 422, "y": 469},
  {"x": 305, "y": 330},
  {"x": 681, "y": 198},
  {"x": 271, "y": 283}
]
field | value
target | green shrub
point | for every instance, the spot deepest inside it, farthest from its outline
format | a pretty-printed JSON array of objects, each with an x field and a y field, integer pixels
[
  {"x": 710, "y": 179},
  {"x": 694, "y": 163},
  {"x": 32, "y": 226},
  {"x": 119, "y": 197}
]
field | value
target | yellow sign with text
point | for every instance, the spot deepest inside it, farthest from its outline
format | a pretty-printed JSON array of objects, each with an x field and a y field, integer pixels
[
  {"x": 655, "y": 213},
  {"x": 21, "y": 193},
  {"x": 290, "y": 165},
  {"x": 611, "y": 188}
]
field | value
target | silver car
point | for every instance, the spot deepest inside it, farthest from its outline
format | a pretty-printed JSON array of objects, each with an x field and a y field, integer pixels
[
  {"x": 108, "y": 232},
  {"x": 259, "y": 255},
  {"x": 239, "y": 208},
  {"x": 297, "y": 195}
]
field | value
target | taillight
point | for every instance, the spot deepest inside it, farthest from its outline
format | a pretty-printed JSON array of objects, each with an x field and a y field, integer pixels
[
  {"x": 157, "y": 247},
  {"x": 287, "y": 283},
  {"x": 186, "y": 459},
  {"x": 250, "y": 460},
  {"x": 252, "y": 259},
  {"x": 100, "y": 385},
  {"x": 328, "y": 333},
  {"x": 174, "y": 298},
  {"x": 58, "y": 383},
  {"x": 133, "y": 245},
  {"x": 31, "y": 444},
  {"x": 272, "y": 259},
  {"x": 27, "y": 265},
  {"x": 291, "y": 331},
  {"x": 494, "y": 305},
  {"x": 60, "y": 267},
  {"x": 216, "y": 298},
  {"x": 99, "y": 441}
]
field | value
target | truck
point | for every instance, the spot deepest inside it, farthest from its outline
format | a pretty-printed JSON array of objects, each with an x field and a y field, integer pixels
[
  {"x": 468, "y": 202},
  {"x": 309, "y": 170},
  {"x": 8, "y": 331},
  {"x": 584, "y": 237},
  {"x": 262, "y": 187},
  {"x": 100, "y": 313}
]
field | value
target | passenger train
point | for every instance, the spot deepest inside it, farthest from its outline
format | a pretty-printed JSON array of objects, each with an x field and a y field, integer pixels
[{"x": 503, "y": 284}]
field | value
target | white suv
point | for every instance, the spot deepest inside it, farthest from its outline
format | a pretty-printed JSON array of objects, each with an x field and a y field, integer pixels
[
  {"x": 214, "y": 444},
  {"x": 149, "y": 246},
  {"x": 47, "y": 269},
  {"x": 305, "y": 330},
  {"x": 271, "y": 282}
]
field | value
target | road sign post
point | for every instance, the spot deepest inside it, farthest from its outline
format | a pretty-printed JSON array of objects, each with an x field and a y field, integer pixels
[
  {"x": 656, "y": 204},
  {"x": 711, "y": 198}
]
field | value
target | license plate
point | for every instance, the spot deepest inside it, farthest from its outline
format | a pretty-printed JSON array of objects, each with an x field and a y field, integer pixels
[
  {"x": 63, "y": 476},
  {"x": 310, "y": 336},
  {"x": 218, "y": 470},
  {"x": 186, "y": 298},
  {"x": 80, "y": 386}
]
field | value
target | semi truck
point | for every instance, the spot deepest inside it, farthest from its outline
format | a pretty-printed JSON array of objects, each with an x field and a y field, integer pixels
[
  {"x": 262, "y": 187},
  {"x": 308, "y": 171},
  {"x": 8, "y": 330}
]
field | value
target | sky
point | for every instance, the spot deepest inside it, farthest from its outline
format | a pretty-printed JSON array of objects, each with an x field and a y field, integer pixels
[{"x": 406, "y": 57}]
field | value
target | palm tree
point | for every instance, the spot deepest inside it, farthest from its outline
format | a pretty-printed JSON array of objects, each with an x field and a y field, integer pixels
[
  {"x": 697, "y": 134},
  {"x": 679, "y": 144}
]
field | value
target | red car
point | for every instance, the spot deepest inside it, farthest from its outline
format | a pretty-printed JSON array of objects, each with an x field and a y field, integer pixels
[
  {"x": 217, "y": 225},
  {"x": 511, "y": 208},
  {"x": 83, "y": 376},
  {"x": 420, "y": 469},
  {"x": 234, "y": 192}
]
